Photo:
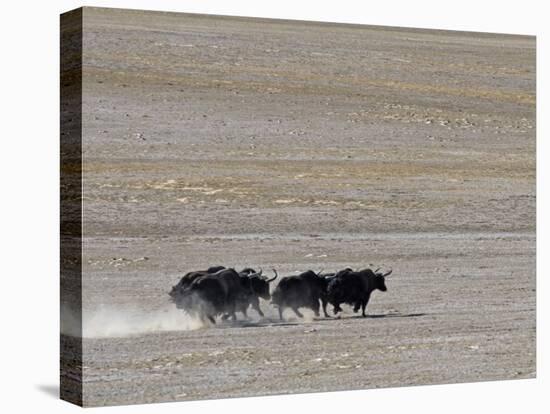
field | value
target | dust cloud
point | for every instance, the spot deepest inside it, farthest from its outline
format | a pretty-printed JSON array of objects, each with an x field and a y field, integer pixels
[{"x": 113, "y": 322}]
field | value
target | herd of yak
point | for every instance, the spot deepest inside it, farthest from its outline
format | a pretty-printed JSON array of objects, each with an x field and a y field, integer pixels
[{"x": 224, "y": 291}]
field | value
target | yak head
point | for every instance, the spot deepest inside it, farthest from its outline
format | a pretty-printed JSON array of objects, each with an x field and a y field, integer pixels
[
  {"x": 260, "y": 284},
  {"x": 173, "y": 292},
  {"x": 323, "y": 280},
  {"x": 176, "y": 289},
  {"x": 177, "y": 295},
  {"x": 380, "y": 280}
]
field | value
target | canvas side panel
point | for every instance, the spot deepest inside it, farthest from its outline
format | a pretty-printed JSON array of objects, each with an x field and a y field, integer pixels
[{"x": 71, "y": 206}]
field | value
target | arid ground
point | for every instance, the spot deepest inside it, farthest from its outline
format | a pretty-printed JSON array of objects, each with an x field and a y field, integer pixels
[{"x": 302, "y": 146}]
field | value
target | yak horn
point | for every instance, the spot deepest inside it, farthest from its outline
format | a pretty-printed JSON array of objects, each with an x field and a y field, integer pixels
[
  {"x": 256, "y": 274},
  {"x": 376, "y": 271},
  {"x": 274, "y": 277},
  {"x": 320, "y": 271},
  {"x": 387, "y": 274}
]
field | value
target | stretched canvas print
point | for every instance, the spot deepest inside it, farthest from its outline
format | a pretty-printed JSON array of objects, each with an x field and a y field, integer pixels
[{"x": 256, "y": 207}]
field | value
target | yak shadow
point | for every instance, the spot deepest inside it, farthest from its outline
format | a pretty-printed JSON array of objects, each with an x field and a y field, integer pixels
[
  {"x": 369, "y": 316},
  {"x": 262, "y": 323},
  {"x": 395, "y": 315},
  {"x": 269, "y": 322},
  {"x": 373, "y": 316}
]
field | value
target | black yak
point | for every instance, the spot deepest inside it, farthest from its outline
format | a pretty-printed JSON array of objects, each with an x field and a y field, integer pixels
[
  {"x": 212, "y": 294},
  {"x": 355, "y": 288},
  {"x": 301, "y": 291},
  {"x": 259, "y": 288}
]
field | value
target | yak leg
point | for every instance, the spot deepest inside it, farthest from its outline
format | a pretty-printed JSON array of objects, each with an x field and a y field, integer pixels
[
  {"x": 297, "y": 312},
  {"x": 324, "y": 303},
  {"x": 243, "y": 308},
  {"x": 357, "y": 306},
  {"x": 337, "y": 308},
  {"x": 256, "y": 306},
  {"x": 315, "y": 307},
  {"x": 231, "y": 312},
  {"x": 281, "y": 313},
  {"x": 364, "y": 305},
  {"x": 205, "y": 311}
]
